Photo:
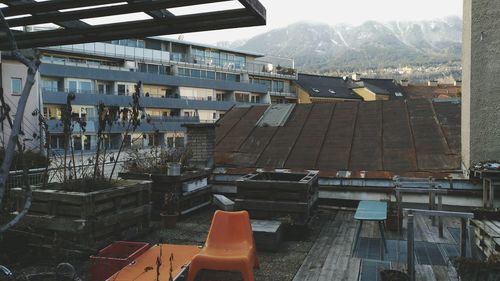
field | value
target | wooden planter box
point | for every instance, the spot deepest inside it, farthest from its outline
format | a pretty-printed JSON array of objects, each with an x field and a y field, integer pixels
[
  {"x": 191, "y": 188},
  {"x": 92, "y": 219},
  {"x": 271, "y": 195}
]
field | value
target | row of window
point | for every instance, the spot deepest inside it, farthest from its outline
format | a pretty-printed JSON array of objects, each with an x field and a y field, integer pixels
[
  {"x": 136, "y": 43},
  {"x": 217, "y": 58},
  {"x": 212, "y": 75},
  {"x": 272, "y": 85}
]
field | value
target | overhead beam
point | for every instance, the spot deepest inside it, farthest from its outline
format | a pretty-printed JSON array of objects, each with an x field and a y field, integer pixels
[
  {"x": 49, "y": 6},
  {"x": 105, "y": 11},
  {"x": 152, "y": 27},
  {"x": 66, "y": 24}
]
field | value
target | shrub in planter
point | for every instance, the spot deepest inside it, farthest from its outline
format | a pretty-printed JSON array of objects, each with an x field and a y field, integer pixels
[{"x": 394, "y": 275}]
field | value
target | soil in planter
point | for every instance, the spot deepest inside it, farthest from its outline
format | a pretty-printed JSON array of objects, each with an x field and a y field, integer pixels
[
  {"x": 393, "y": 275},
  {"x": 84, "y": 185},
  {"x": 486, "y": 214}
]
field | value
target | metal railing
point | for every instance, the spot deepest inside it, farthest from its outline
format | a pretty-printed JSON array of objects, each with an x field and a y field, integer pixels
[
  {"x": 17, "y": 179},
  {"x": 464, "y": 235}
]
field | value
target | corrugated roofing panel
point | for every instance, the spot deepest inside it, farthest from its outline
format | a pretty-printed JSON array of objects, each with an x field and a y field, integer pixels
[
  {"x": 283, "y": 141},
  {"x": 336, "y": 149},
  {"x": 430, "y": 143},
  {"x": 366, "y": 151},
  {"x": 398, "y": 149},
  {"x": 239, "y": 133},
  {"x": 310, "y": 140},
  {"x": 227, "y": 122}
]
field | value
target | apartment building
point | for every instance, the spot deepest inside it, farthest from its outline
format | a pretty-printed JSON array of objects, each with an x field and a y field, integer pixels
[{"x": 182, "y": 82}]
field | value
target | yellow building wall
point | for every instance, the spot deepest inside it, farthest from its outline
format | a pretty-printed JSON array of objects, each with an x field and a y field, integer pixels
[
  {"x": 368, "y": 95},
  {"x": 303, "y": 96}
]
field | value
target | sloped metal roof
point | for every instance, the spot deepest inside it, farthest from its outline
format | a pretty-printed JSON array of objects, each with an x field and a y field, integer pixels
[{"x": 387, "y": 136}]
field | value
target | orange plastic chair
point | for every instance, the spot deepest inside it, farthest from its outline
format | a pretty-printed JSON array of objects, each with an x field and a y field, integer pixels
[{"x": 229, "y": 246}]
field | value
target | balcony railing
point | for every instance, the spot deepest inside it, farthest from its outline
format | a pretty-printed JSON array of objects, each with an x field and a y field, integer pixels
[
  {"x": 116, "y": 51},
  {"x": 160, "y": 57},
  {"x": 286, "y": 94}
]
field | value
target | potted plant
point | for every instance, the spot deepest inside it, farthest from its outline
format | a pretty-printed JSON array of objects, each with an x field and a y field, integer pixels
[
  {"x": 394, "y": 275},
  {"x": 169, "y": 212}
]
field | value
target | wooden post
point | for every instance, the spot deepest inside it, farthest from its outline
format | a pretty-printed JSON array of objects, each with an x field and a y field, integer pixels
[
  {"x": 492, "y": 193},
  {"x": 485, "y": 194},
  {"x": 463, "y": 237},
  {"x": 440, "y": 219},
  {"x": 432, "y": 206},
  {"x": 410, "y": 250}
]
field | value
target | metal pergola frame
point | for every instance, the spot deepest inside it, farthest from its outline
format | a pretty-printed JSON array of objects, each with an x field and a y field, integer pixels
[{"x": 74, "y": 31}]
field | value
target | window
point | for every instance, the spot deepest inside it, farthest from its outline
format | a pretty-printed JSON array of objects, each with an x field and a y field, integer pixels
[
  {"x": 315, "y": 90},
  {"x": 121, "y": 89},
  {"x": 170, "y": 142},
  {"x": 241, "y": 97},
  {"x": 331, "y": 91},
  {"x": 255, "y": 99},
  {"x": 179, "y": 142},
  {"x": 220, "y": 97},
  {"x": 79, "y": 86},
  {"x": 187, "y": 114},
  {"x": 214, "y": 116},
  {"x": 50, "y": 85},
  {"x": 398, "y": 94},
  {"x": 16, "y": 85}
]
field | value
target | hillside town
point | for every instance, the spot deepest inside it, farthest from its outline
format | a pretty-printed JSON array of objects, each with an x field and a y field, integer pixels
[{"x": 128, "y": 155}]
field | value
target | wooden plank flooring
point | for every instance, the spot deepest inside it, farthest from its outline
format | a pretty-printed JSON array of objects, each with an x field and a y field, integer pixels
[{"x": 330, "y": 257}]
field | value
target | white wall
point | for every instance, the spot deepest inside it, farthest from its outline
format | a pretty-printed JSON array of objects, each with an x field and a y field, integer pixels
[{"x": 13, "y": 69}]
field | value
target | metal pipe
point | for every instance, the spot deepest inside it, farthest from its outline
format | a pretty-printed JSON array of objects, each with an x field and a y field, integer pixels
[
  {"x": 6, "y": 272},
  {"x": 410, "y": 250},
  {"x": 463, "y": 237}
]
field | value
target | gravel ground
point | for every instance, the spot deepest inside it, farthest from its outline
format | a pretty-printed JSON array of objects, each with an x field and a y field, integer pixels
[{"x": 192, "y": 230}]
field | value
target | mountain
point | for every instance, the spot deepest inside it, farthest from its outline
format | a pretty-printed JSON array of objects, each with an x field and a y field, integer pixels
[{"x": 323, "y": 48}]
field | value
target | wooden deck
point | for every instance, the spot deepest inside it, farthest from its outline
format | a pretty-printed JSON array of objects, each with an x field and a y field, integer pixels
[{"x": 330, "y": 257}]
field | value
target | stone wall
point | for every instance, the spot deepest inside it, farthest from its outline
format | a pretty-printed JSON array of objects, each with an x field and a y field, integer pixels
[
  {"x": 480, "y": 82},
  {"x": 201, "y": 142}
]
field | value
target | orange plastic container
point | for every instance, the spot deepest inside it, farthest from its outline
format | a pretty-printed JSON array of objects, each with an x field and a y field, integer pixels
[{"x": 115, "y": 257}]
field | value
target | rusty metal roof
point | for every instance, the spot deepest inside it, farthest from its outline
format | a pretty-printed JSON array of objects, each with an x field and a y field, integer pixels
[{"x": 395, "y": 136}]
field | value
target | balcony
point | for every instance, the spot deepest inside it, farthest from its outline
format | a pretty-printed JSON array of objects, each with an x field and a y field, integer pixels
[
  {"x": 157, "y": 123},
  {"x": 94, "y": 99},
  {"x": 111, "y": 73},
  {"x": 115, "y": 51},
  {"x": 285, "y": 94},
  {"x": 253, "y": 68},
  {"x": 260, "y": 68}
]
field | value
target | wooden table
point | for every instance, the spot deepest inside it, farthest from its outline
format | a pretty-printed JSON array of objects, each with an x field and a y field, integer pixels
[
  {"x": 375, "y": 211},
  {"x": 145, "y": 267}
]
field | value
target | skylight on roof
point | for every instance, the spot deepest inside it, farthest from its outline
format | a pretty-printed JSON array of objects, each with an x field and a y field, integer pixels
[
  {"x": 331, "y": 91},
  {"x": 398, "y": 94},
  {"x": 315, "y": 90}
]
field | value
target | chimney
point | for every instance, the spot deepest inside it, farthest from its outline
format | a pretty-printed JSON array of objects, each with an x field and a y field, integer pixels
[
  {"x": 480, "y": 88},
  {"x": 201, "y": 142},
  {"x": 404, "y": 83},
  {"x": 432, "y": 83},
  {"x": 356, "y": 76}
]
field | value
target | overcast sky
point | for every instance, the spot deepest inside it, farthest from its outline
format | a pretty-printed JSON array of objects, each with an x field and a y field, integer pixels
[{"x": 281, "y": 13}]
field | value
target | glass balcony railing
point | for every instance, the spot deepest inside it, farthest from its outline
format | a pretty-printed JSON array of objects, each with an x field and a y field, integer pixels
[{"x": 116, "y": 51}]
